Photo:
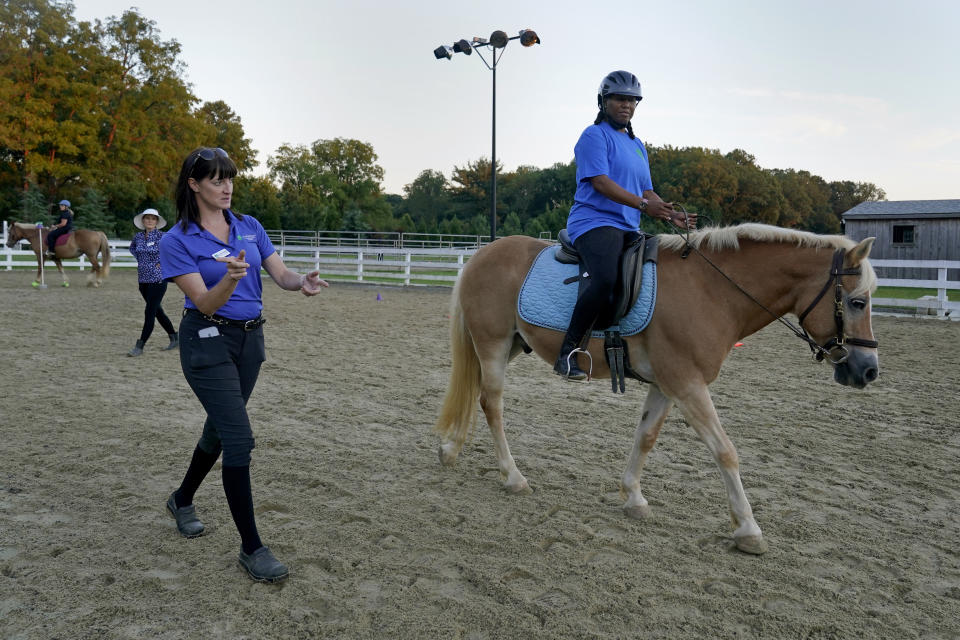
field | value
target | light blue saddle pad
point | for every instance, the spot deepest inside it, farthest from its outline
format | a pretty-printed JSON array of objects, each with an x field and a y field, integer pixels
[{"x": 546, "y": 302}]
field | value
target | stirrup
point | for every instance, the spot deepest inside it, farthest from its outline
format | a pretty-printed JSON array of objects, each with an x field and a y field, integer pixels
[{"x": 573, "y": 354}]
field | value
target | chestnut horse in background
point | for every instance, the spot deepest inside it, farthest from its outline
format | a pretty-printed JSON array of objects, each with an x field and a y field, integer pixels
[
  {"x": 81, "y": 242},
  {"x": 713, "y": 288}
]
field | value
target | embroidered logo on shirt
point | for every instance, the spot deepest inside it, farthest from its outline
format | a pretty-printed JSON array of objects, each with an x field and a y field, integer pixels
[{"x": 252, "y": 237}]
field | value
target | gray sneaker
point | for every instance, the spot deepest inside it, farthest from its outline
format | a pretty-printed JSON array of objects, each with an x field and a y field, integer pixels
[
  {"x": 262, "y": 566},
  {"x": 188, "y": 524}
]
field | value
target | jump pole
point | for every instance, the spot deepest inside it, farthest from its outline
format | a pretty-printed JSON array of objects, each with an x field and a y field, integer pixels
[{"x": 43, "y": 284}]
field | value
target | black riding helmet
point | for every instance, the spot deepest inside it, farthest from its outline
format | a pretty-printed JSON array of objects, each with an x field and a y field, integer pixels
[{"x": 621, "y": 83}]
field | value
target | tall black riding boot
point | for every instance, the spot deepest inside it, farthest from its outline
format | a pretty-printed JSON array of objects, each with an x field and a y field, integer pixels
[{"x": 566, "y": 364}]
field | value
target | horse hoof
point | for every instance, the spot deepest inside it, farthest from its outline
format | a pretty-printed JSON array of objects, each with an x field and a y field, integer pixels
[
  {"x": 755, "y": 545},
  {"x": 520, "y": 489},
  {"x": 638, "y": 511},
  {"x": 446, "y": 454}
]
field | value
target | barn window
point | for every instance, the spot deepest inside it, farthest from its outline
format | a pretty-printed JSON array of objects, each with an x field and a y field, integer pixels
[{"x": 902, "y": 234}]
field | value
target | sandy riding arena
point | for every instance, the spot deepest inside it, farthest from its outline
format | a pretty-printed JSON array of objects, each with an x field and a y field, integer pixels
[{"x": 856, "y": 491}]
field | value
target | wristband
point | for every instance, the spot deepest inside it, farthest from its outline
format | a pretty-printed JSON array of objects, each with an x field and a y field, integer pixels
[{"x": 643, "y": 205}]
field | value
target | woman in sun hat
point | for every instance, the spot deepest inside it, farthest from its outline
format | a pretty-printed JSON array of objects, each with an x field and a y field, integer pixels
[{"x": 145, "y": 247}]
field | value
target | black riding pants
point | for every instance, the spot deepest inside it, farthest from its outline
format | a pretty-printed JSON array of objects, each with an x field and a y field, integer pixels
[
  {"x": 152, "y": 293},
  {"x": 600, "y": 250},
  {"x": 53, "y": 235},
  {"x": 221, "y": 365}
]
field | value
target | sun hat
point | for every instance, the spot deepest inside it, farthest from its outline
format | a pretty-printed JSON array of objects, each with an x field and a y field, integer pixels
[
  {"x": 65, "y": 203},
  {"x": 138, "y": 219}
]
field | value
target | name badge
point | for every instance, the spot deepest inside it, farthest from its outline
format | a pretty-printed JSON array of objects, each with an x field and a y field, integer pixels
[
  {"x": 208, "y": 332},
  {"x": 223, "y": 253},
  {"x": 150, "y": 244}
]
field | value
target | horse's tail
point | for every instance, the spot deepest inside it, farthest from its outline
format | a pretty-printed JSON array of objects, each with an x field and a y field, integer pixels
[
  {"x": 459, "y": 413},
  {"x": 105, "y": 250}
]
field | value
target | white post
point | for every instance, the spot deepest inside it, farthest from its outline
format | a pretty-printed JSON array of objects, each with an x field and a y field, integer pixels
[
  {"x": 43, "y": 258},
  {"x": 406, "y": 268},
  {"x": 459, "y": 264},
  {"x": 359, "y": 265},
  {"x": 942, "y": 292},
  {"x": 316, "y": 260}
]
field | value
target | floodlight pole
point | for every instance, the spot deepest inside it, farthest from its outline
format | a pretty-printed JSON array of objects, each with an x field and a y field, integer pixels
[{"x": 494, "y": 44}]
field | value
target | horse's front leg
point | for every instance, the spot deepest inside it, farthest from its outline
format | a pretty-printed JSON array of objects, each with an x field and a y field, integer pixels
[
  {"x": 491, "y": 401},
  {"x": 655, "y": 410},
  {"x": 697, "y": 407},
  {"x": 63, "y": 274}
]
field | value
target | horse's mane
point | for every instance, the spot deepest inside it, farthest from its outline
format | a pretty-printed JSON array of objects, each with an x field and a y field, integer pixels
[
  {"x": 24, "y": 226},
  {"x": 720, "y": 238}
]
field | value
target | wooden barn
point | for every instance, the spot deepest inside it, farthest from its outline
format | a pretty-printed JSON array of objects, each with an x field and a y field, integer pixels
[{"x": 908, "y": 230}]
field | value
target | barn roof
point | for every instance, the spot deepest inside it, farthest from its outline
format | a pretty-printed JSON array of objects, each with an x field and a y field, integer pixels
[{"x": 904, "y": 209}]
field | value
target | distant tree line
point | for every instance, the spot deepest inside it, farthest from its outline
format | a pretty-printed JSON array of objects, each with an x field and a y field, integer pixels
[{"x": 99, "y": 113}]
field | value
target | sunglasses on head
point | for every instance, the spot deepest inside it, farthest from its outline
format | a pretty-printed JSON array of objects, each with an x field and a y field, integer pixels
[{"x": 207, "y": 154}]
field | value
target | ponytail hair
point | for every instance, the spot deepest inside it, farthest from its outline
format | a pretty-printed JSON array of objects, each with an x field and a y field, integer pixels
[{"x": 601, "y": 116}]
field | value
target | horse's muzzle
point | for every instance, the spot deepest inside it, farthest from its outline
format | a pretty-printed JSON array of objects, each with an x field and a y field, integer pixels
[{"x": 858, "y": 370}]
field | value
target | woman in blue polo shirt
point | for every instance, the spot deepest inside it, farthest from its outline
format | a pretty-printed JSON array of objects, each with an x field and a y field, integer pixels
[
  {"x": 614, "y": 189},
  {"x": 145, "y": 247},
  {"x": 215, "y": 255}
]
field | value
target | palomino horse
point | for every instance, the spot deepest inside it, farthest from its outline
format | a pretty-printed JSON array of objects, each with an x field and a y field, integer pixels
[
  {"x": 82, "y": 241},
  {"x": 725, "y": 285}
]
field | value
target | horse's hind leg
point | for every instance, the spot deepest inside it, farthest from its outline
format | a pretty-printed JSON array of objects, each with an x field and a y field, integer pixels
[
  {"x": 655, "y": 410},
  {"x": 94, "y": 279},
  {"x": 493, "y": 366},
  {"x": 698, "y": 409}
]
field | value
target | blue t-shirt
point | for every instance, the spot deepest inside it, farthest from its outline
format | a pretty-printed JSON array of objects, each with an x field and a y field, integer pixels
[
  {"x": 193, "y": 250},
  {"x": 602, "y": 150}
]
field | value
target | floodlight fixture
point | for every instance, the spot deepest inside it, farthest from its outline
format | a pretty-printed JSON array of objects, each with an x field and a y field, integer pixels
[
  {"x": 462, "y": 46},
  {"x": 499, "y": 39},
  {"x": 442, "y": 52},
  {"x": 529, "y": 37}
]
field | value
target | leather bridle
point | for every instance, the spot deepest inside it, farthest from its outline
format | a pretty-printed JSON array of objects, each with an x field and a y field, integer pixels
[{"x": 837, "y": 343}]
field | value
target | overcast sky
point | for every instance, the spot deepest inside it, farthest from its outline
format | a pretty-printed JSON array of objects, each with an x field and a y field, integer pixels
[{"x": 861, "y": 90}]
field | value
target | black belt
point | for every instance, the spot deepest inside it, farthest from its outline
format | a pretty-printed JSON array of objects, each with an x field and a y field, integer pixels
[{"x": 246, "y": 325}]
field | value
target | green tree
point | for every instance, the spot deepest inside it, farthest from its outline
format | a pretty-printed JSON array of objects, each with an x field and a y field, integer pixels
[
  {"x": 428, "y": 199},
  {"x": 328, "y": 179},
  {"x": 229, "y": 134},
  {"x": 258, "y": 197},
  {"x": 92, "y": 213}
]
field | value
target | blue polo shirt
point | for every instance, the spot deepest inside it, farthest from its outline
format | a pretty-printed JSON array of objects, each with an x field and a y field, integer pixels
[
  {"x": 602, "y": 150},
  {"x": 193, "y": 250}
]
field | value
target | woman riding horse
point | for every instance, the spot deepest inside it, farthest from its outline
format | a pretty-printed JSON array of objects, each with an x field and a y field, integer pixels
[
  {"x": 612, "y": 169},
  {"x": 63, "y": 226}
]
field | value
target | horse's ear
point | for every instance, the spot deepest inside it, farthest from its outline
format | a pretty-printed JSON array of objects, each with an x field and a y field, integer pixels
[{"x": 861, "y": 251}]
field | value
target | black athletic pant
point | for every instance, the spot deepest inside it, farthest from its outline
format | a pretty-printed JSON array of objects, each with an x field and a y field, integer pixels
[
  {"x": 600, "y": 250},
  {"x": 152, "y": 293},
  {"x": 53, "y": 235},
  {"x": 221, "y": 365}
]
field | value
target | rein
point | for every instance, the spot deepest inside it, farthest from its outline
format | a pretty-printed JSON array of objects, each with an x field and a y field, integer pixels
[{"x": 836, "y": 271}]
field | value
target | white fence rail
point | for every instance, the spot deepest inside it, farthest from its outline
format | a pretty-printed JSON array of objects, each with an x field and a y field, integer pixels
[
  {"x": 343, "y": 261},
  {"x": 933, "y": 305},
  {"x": 409, "y": 259}
]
